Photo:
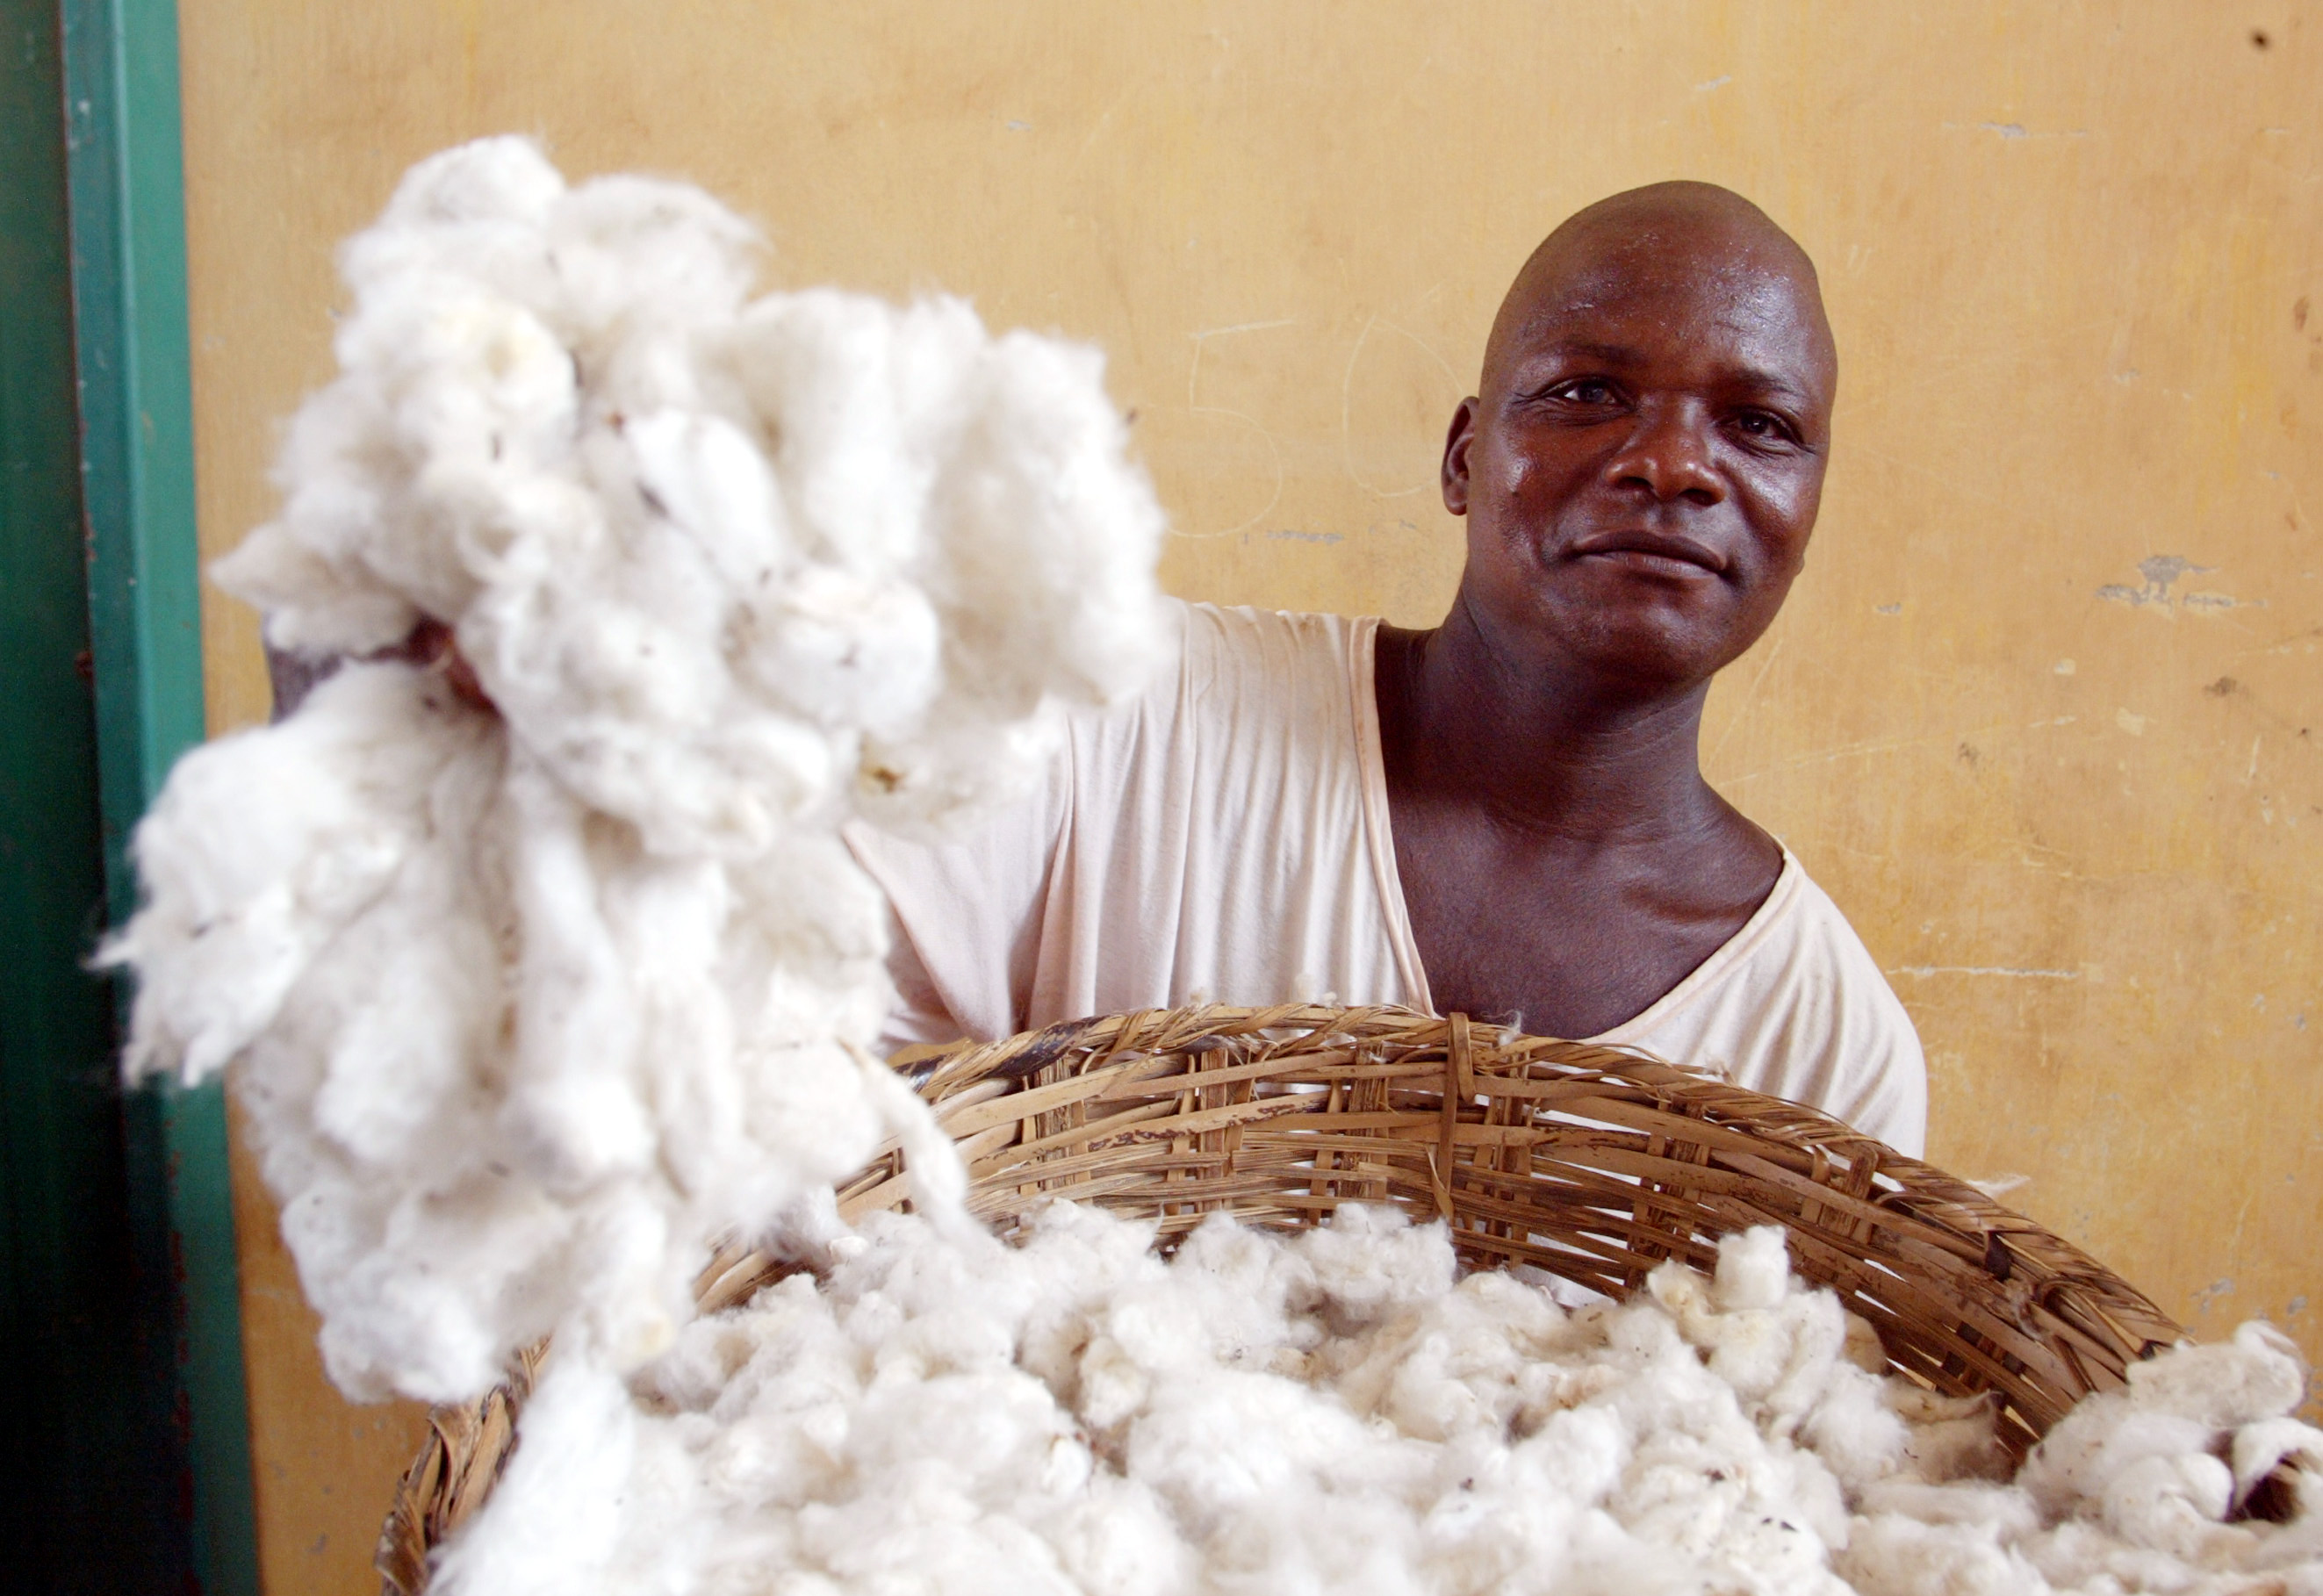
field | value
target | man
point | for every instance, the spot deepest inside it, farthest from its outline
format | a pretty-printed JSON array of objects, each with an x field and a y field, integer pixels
[{"x": 1504, "y": 816}]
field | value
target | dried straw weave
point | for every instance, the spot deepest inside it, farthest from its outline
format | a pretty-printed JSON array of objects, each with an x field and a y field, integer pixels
[{"x": 1590, "y": 1162}]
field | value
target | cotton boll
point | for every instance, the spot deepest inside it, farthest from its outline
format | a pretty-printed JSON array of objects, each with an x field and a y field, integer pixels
[
  {"x": 573, "y": 1112},
  {"x": 1687, "y": 1298},
  {"x": 1116, "y": 1540},
  {"x": 266, "y": 845},
  {"x": 1901, "y": 1555},
  {"x": 1039, "y": 457},
  {"x": 1777, "y": 1346},
  {"x": 597, "y": 973},
  {"x": 1082, "y": 1255},
  {"x": 555, "y": 1519},
  {"x": 2256, "y": 1375},
  {"x": 2259, "y": 1446},
  {"x": 2293, "y": 1551},
  {"x": 993, "y": 1432},
  {"x": 332, "y": 572},
  {"x": 1241, "y": 1286},
  {"x": 2168, "y": 1502},
  {"x": 1037, "y": 464},
  {"x": 927, "y": 1538},
  {"x": 482, "y": 203},
  {"x": 2081, "y": 1457},
  {"x": 1771, "y": 1344},
  {"x": 1862, "y": 1347},
  {"x": 862, "y": 423},
  {"x": 1578, "y": 1454},
  {"x": 1109, "y": 1386},
  {"x": 1762, "y": 1351},
  {"x": 707, "y": 479},
  {"x": 1754, "y": 1269},
  {"x": 648, "y": 274},
  {"x": 1371, "y": 1260},
  {"x": 848, "y": 650},
  {"x": 1950, "y": 1437},
  {"x": 2004, "y": 1511},
  {"x": 1453, "y": 1365},
  {"x": 1231, "y": 1440},
  {"x": 1860, "y": 1437}
]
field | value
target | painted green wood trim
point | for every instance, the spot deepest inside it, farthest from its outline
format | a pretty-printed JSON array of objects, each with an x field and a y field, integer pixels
[
  {"x": 90, "y": 1481},
  {"x": 127, "y": 198}
]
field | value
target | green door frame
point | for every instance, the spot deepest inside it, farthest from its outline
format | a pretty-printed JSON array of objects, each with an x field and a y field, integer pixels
[{"x": 129, "y": 1444}]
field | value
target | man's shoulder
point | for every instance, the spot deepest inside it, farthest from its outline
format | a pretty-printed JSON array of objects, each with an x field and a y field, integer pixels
[
  {"x": 1802, "y": 1010},
  {"x": 1258, "y": 697},
  {"x": 1244, "y": 658},
  {"x": 1803, "y": 926},
  {"x": 1247, "y": 630}
]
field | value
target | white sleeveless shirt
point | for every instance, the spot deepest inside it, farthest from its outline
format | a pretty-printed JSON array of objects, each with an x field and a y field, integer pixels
[{"x": 1224, "y": 837}]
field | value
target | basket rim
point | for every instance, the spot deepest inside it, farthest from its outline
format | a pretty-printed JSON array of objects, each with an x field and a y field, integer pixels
[{"x": 1870, "y": 1221}]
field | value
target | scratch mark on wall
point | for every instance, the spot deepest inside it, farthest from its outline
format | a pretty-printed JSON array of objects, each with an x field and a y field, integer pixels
[
  {"x": 1098, "y": 128},
  {"x": 2012, "y": 131},
  {"x": 1240, "y": 326},
  {"x": 1720, "y": 82},
  {"x": 2285, "y": 644},
  {"x": 1749, "y": 698},
  {"x": 1976, "y": 364},
  {"x": 1195, "y": 406},
  {"x": 1953, "y": 483},
  {"x": 1293, "y": 533},
  {"x": 1923, "y": 971},
  {"x": 1347, "y": 400},
  {"x": 1892, "y": 745}
]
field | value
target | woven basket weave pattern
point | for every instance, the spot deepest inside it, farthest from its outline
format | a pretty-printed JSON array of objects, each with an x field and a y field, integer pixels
[{"x": 1592, "y": 1163}]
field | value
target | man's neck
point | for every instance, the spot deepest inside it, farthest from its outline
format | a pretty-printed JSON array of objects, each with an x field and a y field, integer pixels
[{"x": 1543, "y": 746}]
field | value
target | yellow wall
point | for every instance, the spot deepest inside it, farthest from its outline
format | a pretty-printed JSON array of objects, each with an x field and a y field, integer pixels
[{"x": 2044, "y": 714}]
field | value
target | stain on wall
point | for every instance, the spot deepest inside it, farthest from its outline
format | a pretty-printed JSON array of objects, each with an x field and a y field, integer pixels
[{"x": 2045, "y": 715}]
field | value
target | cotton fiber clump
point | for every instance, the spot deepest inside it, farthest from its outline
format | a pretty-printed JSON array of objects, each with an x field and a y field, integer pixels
[
  {"x": 1336, "y": 1412},
  {"x": 529, "y": 1006}
]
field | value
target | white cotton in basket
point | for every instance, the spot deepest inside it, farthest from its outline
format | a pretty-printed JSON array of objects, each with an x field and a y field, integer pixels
[
  {"x": 1336, "y": 1412},
  {"x": 529, "y": 1006}
]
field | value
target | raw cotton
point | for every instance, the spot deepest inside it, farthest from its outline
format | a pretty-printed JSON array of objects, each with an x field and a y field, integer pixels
[
  {"x": 1336, "y": 1412},
  {"x": 531, "y": 1007}
]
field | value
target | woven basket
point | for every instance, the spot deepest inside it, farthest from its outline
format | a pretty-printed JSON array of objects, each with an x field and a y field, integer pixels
[{"x": 1592, "y": 1163}]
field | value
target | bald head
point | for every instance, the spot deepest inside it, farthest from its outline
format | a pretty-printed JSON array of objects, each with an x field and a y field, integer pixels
[{"x": 1682, "y": 240}]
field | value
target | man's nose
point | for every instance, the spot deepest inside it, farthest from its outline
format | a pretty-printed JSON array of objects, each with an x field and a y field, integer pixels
[{"x": 1669, "y": 454}]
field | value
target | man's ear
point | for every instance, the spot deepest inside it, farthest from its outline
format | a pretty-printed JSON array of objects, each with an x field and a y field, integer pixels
[{"x": 1456, "y": 443}]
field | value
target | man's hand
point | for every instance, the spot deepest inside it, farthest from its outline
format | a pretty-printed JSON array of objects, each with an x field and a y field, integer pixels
[{"x": 431, "y": 647}]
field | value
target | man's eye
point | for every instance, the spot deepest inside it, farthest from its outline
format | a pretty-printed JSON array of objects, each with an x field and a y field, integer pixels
[
  {"x": 1760, "y": 424},
  {"x": 1585, "y": 390}
]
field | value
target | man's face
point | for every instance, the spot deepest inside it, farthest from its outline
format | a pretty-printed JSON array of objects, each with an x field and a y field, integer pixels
[{"x": 1643, "y": 468}]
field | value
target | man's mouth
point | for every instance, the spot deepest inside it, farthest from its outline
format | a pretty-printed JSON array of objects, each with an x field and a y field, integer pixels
[{"x": 1667, "y": 552}]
